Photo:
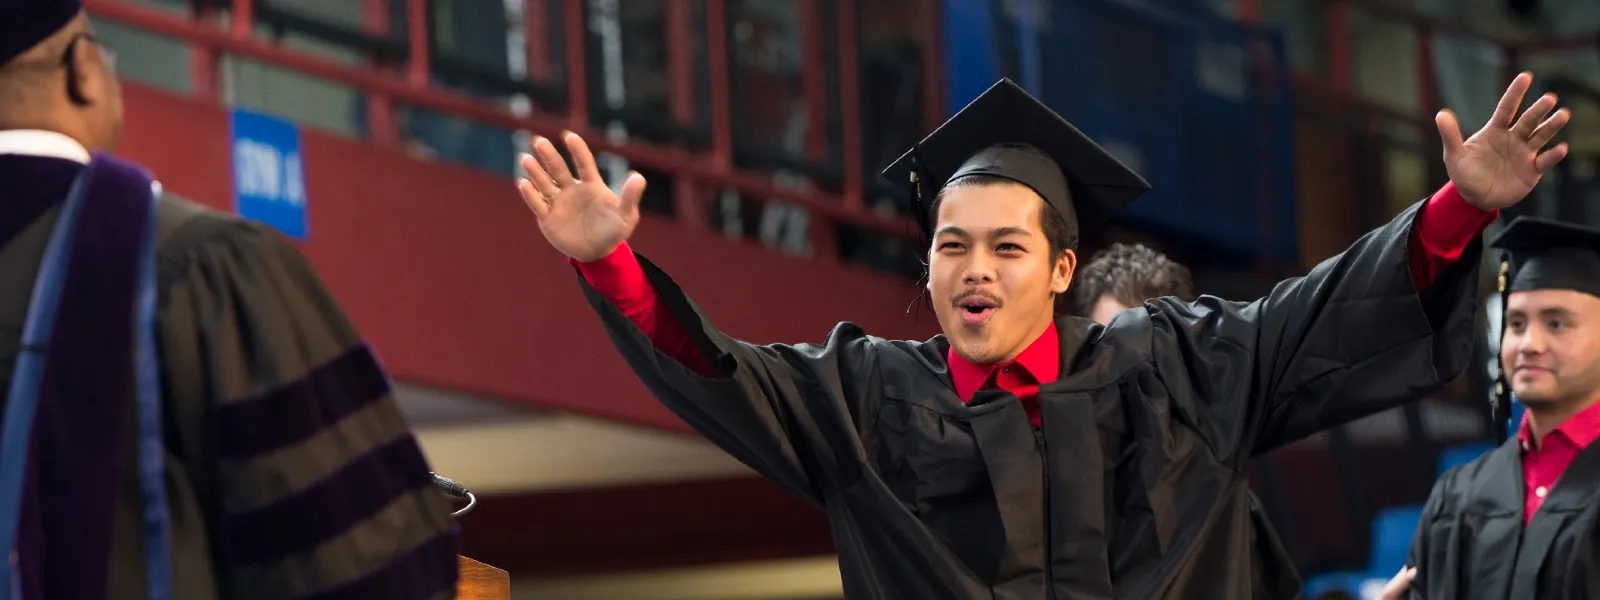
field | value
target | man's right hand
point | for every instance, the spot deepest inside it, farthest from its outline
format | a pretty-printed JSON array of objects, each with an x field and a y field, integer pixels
[
  {"x": 580, "y": 217},
  {"x": 1397, "y": 587}
]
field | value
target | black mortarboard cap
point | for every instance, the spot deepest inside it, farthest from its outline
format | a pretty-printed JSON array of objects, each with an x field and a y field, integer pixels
[
  {"x": 1008, "y": 133},
  {"x": 25, "y": 23},
  {"x": 1544, "y": 254}
]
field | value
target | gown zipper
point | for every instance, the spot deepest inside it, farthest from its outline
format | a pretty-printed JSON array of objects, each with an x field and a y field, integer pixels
[{"x": 1044, "y": 461}]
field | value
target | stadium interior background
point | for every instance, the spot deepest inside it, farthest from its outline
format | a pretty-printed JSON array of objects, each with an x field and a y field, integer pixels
[{"x": 1274, "y": 131}]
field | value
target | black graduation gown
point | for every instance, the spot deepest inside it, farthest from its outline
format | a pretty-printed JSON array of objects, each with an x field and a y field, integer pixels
[
  {"x": 1471, "y": 543},
  {"x": 291, "y": 471},
  {"x": 1134, "y": 487}
]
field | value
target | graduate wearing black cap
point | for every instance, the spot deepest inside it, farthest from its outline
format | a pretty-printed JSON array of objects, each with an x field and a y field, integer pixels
[
  {"x": 1024, "y": 455},
  {"x": 187, "y": 413},
  {"x": 1522, "y": 521}
]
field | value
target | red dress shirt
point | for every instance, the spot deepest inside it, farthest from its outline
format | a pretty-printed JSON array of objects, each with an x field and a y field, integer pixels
[
  {"x": 1039, "y": 363},
  {"x": 1442, "y": 232},
  {"x": 1544, "y": 461}
]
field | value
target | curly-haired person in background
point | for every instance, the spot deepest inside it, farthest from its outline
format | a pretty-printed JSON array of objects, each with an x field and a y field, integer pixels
[{"x": 1124, "y": 276}]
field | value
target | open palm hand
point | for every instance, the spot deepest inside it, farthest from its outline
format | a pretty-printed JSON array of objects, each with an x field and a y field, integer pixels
[
  {"x": 1500, "y": 164},
  {"x": 581, "y": 217}
]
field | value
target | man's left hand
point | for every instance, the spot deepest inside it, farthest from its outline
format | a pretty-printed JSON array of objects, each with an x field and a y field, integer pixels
[{"x": 1499, "y": 165}]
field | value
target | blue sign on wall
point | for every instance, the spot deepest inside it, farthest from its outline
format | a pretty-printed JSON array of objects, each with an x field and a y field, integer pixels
[{"x": 269, "y": 183}]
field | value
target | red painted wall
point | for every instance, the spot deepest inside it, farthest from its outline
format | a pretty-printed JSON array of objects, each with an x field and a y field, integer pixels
[{"x": 444, "y": 269}]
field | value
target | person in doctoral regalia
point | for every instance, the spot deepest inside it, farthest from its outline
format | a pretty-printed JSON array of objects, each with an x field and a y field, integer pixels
[
  {"x": 1522, "y": 521},
  {"x": 1018, "y": 454},
  {"x": 188, "y": 413}
]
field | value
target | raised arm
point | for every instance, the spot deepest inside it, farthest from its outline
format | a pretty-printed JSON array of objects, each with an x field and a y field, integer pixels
[
  {"x": 620, "y": 280},
  {"x": 1444, "y": 229},
  {"x": 789, "y": 412},
  {"x": 1387, "y": 321}
]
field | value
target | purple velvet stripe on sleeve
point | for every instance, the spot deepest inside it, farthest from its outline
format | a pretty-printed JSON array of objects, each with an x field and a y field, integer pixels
[
  {"x": 302, "y": 408},
  {"x": 422, "y": 572},
  {"x": 306, "y": 518},
  {"x": 86, "y": 394}
]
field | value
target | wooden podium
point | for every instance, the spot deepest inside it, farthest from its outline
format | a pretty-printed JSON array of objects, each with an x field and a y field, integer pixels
[{"x": 479, "y": 581}]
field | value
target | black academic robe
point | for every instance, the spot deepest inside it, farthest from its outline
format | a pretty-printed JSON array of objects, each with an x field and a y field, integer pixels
[
  {"x": 290, "y": 471},
  {"x": 1471, "y": 543},
  {"x": 1134, "y": 486},
  {"x": 1271, "y": 566}
]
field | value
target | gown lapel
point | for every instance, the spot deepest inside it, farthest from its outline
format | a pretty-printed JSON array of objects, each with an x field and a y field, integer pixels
[
  {"x": 1569, "y": 498},
  {"x": 1016, "y": 470},
  {"x": 1071, "y": 520},
  {"x": 1079, "y": 537},
  {"x": 1496, "y": 500}
]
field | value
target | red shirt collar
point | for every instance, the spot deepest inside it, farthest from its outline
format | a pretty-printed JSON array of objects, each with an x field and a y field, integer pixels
[
  {"x": 1041, "y": 359},
  {"x": 1581, "y": 429}
]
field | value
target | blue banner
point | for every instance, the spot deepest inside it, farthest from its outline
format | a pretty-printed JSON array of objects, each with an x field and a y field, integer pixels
[
  {"x": 269, "y": 183},
  {"x": 973, "y": 60}
]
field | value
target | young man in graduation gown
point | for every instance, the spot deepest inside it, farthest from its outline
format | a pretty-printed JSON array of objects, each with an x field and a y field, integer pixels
[
  {"x": 1020, "y": 455},
  {"x": 283, "y": 467},
  {"x": 1523, "y": 521}
]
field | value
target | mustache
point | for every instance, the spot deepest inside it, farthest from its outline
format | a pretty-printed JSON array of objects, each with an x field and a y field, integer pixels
[{"x": 975, "y": 293}]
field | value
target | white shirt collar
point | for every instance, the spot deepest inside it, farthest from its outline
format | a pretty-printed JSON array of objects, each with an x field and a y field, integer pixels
[{"x": 38, "y": 142}]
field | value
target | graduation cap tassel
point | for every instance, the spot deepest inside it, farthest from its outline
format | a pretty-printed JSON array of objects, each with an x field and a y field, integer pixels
[
  {"x": 918, "y": 209},
  {"x": 916, "y": 203},
  {"x": 920, "y": 213},
  {"x": 1500, "y": 405}
]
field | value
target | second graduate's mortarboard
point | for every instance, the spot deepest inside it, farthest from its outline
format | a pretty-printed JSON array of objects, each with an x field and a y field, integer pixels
[
  {"x": 1541, "y": 254},
  {"x": 1008, "y": 133},
  {"x": 25, "y": 23}
]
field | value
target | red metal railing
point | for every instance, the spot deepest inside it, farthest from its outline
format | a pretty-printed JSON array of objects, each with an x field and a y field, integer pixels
[
  {"x": 381, "y": 126},
  {"x": 1427, "y": 26},
  {"x": 696, "y": 174},
  {"x": 1340, "y": 78}
]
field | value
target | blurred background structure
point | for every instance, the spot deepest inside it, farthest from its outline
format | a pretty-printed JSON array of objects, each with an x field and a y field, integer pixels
[{"x": 1274, "y": 131}]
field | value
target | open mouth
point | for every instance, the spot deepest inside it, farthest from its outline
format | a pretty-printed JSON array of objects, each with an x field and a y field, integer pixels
[{"x": 976, "y": 309}]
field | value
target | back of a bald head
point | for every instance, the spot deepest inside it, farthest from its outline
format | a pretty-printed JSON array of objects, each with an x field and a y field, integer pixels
[{"x": 55, "y": 75}]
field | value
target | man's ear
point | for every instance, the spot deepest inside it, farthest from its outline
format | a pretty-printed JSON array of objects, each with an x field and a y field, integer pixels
[
  {"x": 1061, "y": 274},
  {"x": 86, "y": 76}
]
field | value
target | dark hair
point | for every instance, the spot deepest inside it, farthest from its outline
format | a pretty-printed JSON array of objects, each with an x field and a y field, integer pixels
[
  {"x": 1061, "y": 235},
  {"x": 1131, "y": 274}
]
